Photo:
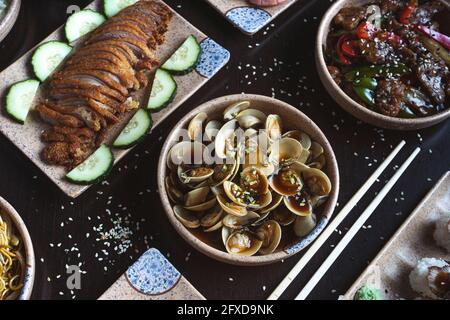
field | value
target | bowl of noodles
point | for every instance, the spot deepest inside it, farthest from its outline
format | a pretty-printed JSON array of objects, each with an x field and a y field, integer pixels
[{"x": 17, "y": 264}]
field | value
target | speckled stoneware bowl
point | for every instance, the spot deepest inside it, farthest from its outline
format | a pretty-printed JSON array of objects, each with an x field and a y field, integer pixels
[
  {"x": 9, "y": 17},
  {"x": 292, "y": 119},
  {"x": 347, "y": 103},
  {"x": 19, "y": 225}
]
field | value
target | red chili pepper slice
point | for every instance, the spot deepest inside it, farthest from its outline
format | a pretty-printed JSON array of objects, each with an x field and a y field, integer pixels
[
  {"x": 342, "y": 58},
  {"x": 391, "y": 37},
  {"x": 408, "y": 11},
  {"x": 366, "y": 30},
  {"x": 349, "y": 48}
]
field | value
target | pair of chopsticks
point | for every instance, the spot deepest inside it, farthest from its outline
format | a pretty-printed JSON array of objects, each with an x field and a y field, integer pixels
[{"x": 337, "y": 221}]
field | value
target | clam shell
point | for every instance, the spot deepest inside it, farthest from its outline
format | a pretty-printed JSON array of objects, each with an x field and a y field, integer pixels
[
  {"x": 304, "y": 225},
  {"x": 243, "y": 243},
  {"x": 250, "y": 118},
  {"x": 273, "y": 127},
  {"x": 215, "y": 227},
  {"x": 173, "y": 193},
  {"x": 194, "y": 175},
  {"x": 298, "y": 205},
  {"x": 211, "y": 130},
  {"x": 231, "y": 207},
  {"x": 283, "y": 216},
  {"x": 276, "y": 201},
  {"x": 186, "y": 218},
  {"x": 196, "y": 196},
  {"x": 195, "y": 128},
  {"x": 286, "y": 151},
  {"x": 235, "y": 222},
  {"x": 300, "y": 136},
  {"x": 187, "y": 152},
  {"x": 270, "y": 232},
  {"x": 233, "y": 110},
  {"x": 223, "y": 143},
  {"x": 211, "y": 217},
  {"x": 317, "y": 181}
]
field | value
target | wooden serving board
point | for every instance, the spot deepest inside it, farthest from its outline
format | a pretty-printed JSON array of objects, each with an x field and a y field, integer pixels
[
  {"x": 27, "y": 137},
  {"x": 389, "y": 271},
  {"x": 247, "y": 18}
]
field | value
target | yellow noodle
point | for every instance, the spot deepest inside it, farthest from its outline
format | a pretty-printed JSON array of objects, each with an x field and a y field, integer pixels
[{"x": 12, "y": 265}]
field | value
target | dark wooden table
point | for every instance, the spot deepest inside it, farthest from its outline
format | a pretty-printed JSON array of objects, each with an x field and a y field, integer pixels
[{"x": 67, "y": 232}]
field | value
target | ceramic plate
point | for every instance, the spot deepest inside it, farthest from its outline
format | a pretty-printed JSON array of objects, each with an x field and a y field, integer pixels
[
  {"x": 152, "y": 277},
  {"x": 389, "y": 271},
  {"x": 27, "y": 137},
  {"x": 247, "y": 18}
]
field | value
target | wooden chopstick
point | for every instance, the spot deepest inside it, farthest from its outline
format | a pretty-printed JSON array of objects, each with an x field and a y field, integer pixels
[
  {"x": 354, "y": 229},
  {"x": 327, "y": 232}
]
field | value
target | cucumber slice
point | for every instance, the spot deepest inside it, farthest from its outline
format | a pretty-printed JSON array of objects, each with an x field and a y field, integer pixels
[
  {"x": 47, "y": 58},
  {"x": 19, "y": 99},
  {"x": 136, "y": 129},
  {"x": 94, "y": 169},
  {"x": 185, "y": 58},
  {"x": 81, "y": 23},
  {"x": 113, "y": 7},
  {"x": 163, "y": 91}
]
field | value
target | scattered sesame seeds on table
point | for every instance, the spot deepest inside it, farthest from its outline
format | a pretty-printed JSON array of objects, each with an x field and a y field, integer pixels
[{"x": 106, "y": 229}]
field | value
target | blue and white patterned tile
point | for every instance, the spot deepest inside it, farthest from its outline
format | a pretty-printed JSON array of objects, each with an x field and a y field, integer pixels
[
  {"x": 248, "y": 19},
  {"x": 153, "y": 274},
  {"x": 304, "y": 242},
  {"x": 213, "y": 58}
]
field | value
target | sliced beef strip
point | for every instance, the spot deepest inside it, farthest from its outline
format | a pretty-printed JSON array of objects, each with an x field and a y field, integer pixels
[
  {"x": 100, "y": 55},
  {"x": 431, "y": 74},
  {"x": 55, "y": 118},
  {"x": 389, "y": 95},
  {"x": 349, "y": 18},
  {"x": 115, "y": 53},
  {"x": 425, "y": 13},
  {"x": 105, "y": 110},
  {"x": 377, "y": 52}
]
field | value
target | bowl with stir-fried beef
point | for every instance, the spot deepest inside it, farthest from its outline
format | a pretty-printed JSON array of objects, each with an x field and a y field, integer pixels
[{"x": 387, "y": 62}]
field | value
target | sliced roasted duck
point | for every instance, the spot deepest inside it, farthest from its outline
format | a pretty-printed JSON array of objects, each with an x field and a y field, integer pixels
[{"x": 94, "y": 87}]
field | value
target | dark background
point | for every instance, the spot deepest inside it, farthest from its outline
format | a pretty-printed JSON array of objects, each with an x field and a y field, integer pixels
[{"x": 66, "y": 231}]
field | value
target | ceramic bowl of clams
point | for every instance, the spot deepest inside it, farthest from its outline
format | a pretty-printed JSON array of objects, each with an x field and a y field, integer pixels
[{"x": 248, "y": 180}]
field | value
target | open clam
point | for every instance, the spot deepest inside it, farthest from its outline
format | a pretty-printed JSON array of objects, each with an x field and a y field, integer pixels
[
  {"x": 283, "y": 216},
  {"x": 199, "y": 199},
  {"x": 276, "y": 201},
  {"x": 286, "y": 151},
  {"x": 288, "y": 180},
  {"x": 243, "y": 243},
  {"x": 225, "y": 171},
  {"x": 273, "y": 127},
  {"x": 250, "y": 118},
  {"x": 211, "y": 130},
  {"x": 231, "y": 207},
  {"x": 174, "y": 194},
  {"x": 195, "y": 128},
  {"x": 299, "y": 204},
  {"x": 225, "y": 143},
  {"x": 317, "y": 181},
  {"x": 254, "y": 180},
  {"x": 235, "y": 222},
  {"x": 212, "y": 217},
  {"x": 233, "y": 110},
  {"x": 304, "y": 225},
  {"x": 270, "y": 233},
  {"x": 188, "y": 219},
  {"x": 300, "y": 136},
  {"x": 316, "y": 158},
  {"x": 194, "y": 175}
]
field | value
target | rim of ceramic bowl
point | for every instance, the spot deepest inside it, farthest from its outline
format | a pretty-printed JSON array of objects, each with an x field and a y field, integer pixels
[
  {"x": 213, "y": 107},
  {"x": 9, "y": 18},
  {"x": 19, "y": 224},
  {"x": 346, "y": 102}
]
